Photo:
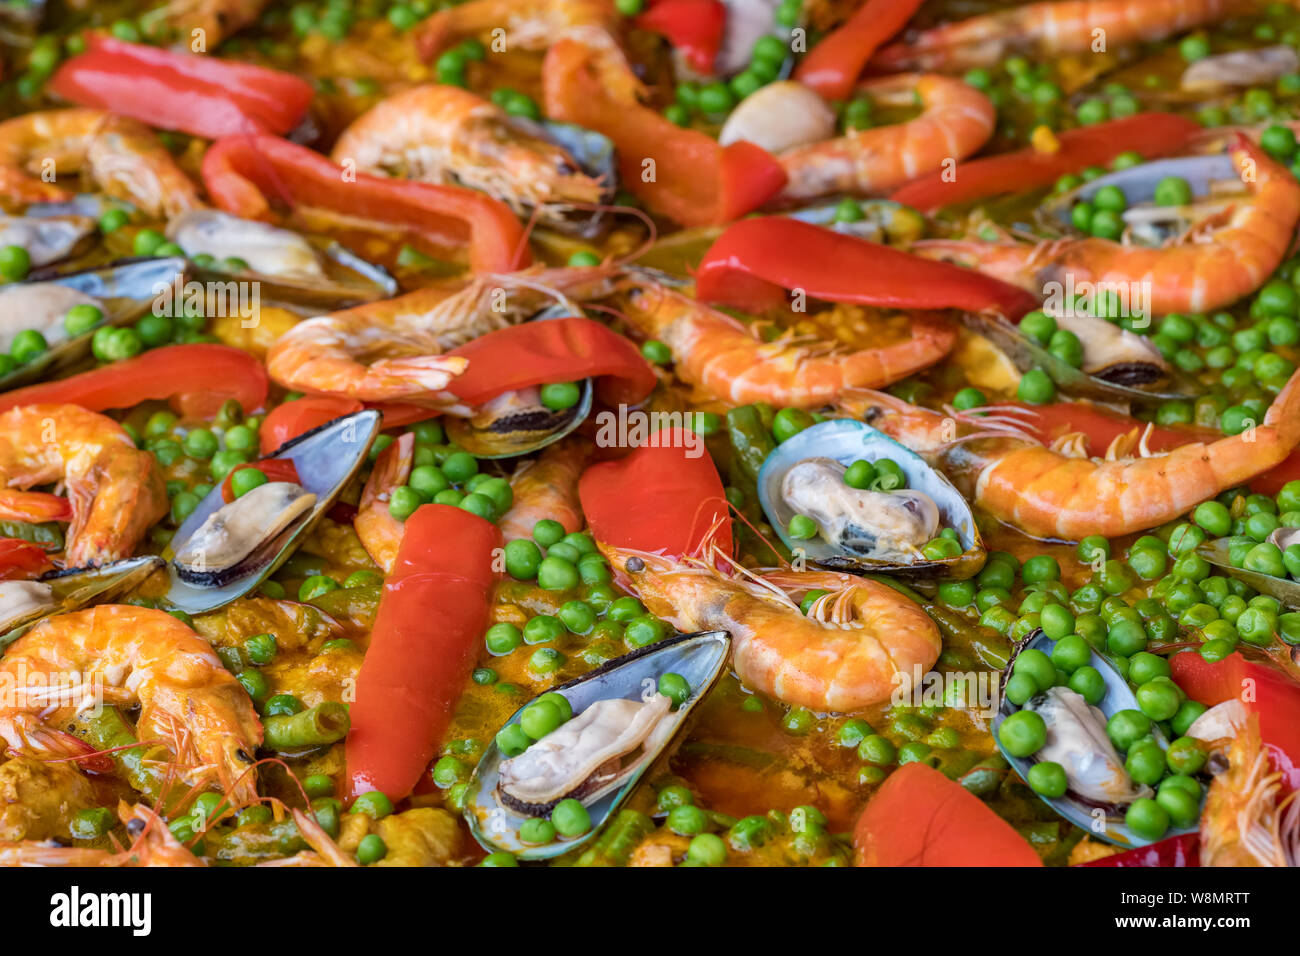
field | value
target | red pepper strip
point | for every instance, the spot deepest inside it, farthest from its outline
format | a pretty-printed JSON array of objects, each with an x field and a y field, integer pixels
[
  {"x": 1181, "y": 850},
  {"x": 300, "y": 416},
  {"x": 241, "y": 172},
  {"x": 833, "y": 65},
  {"x": 557, "y": 350},
  {"x": 275, "y": 469},
  {"x": 1151, "y": 134},
  {"x": 425, "y": 640},
  {"x": 679, "y": 173},
  {"x": 201, "y": 95},
  {"x": 197, "y": 378},
  {"x": 1263, "y": 689},
  {"x": 21, "y": 559},
  {"x": 919, "y": 817},
  {"x": 694, "y": 27},
  {"x": 756, "y": 260},
  {"x": 659, "y": 499}
]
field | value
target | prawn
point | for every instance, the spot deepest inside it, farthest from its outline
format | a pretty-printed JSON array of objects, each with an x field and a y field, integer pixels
[
  {"x": 442, "y": 134},
  {"x": 844, "y": 655},
  {"x": 719, "y": 353},
  {"x": 547, "y": 487},
  {"x": 211, "y": 20},
  {"x": 1243, "y": 822},
  {"x": 121, "y": 156},
  {"x": 956, "y": 120},
  {"x": 379, "y": 531},
  {"x": 392, "y": 350},
  {"x": 137, "y": 655},
  {"x": 528, "y": 24},
  {"x": 1201, "y": 273},
  {"x": 154, "y": 845},
  {"x": 1051, "y": 29},
  {"x": 1058, "y": 492},
  {"x": 115, "y": 490}
]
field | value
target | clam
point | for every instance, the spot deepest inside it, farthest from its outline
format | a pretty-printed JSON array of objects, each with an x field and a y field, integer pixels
[
  {"x": 865, "y": 530},
  {"x": 24, "y": 603},
  {"x": 287, "y": 267},
  {"x": 1099, "y": 788},
  {"x": 621, "y": 725},
  {"x": 224, "y": 550},
  {"x": 47, "y": 239},
  {"x": 123, "y": 291}
]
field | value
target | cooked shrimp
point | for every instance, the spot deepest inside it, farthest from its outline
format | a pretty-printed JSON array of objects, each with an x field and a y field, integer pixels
[
  {"x": 154, "y": 845},
  {"x": 443, "y": 134},
  {"x": 379, "y": 531},
  {"x": 115, "y": 490},
  {"x": 547, "y": 487},
  {"x": 1054, "y": 492},
  {"x": 1051, "y": 29},
  {"x": 1243, "y": 823},
  {"x": 217, "y": 19},
  {"x": 719, "y": 353},
  {"x": 121, "y": 156},
  {"x": 528, "y": 24},
  {"x": 138, "y": 655},
  {"x": 392, "y": 350},
  {"x": 1201, "y": 273},
  {"x": 843, "y": 656},
  {"x": 956, "y": 120}
]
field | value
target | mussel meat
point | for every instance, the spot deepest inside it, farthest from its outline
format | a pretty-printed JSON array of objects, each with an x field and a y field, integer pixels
[
  {"x": 236, "y": 537},
  {"x": 1077, "y": 740},
  {"x": 1114, "y": 354},
  {"x": 24, "y": 603},
  {"x": 47, "y": 239}
]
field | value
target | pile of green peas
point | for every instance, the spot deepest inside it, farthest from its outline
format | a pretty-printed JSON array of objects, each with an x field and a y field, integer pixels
[
  {"x": 445, "y": 474},
  {"x": 1017, "y": 80},
  {"x": 1102, "y": 215},
  {"x": 910, "y": 737},
  {"x": 990, "y": 595}
]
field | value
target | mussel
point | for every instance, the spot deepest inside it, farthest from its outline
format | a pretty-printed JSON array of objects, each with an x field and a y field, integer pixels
[
  {"x": 595, "y": 156},
  {"x": 224, "y": 550},
  {"x": 881, "y": 220},
  {"x": 24, "y": 603},
  {"x": 1078, "y": 741},
  {"x": 123, "y": 291},
  {"x": 621, "y": 724},
  {"x": 287, "y": 267},
  {"x": 1261, "y": 66},
  {"x": 47, "y": 239},
  {"x": 864, "y": 530}
]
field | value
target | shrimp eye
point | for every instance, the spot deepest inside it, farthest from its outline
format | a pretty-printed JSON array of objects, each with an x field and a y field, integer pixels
[
  {"x": 134, "y": 827},
  {"x": 635, "y": 565},
  {"x": 242, "y": 754}
]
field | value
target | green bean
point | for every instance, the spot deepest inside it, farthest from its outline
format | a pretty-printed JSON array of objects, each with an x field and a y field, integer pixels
[
  {"x": 325, "y": 723},
  {"x": 614, "y": 845},
  {"x": 751, "y": 443},
  {"x": 254, "y": 842},
  {"x": 144, "y": 767},
  {"x": 357, "y": 604}
]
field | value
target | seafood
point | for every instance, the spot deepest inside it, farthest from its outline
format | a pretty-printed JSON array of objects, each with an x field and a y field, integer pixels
[
  {"x": 529, "y": 24},
  {"x": 138, "y": 655},
  {"x": 445, "y": 134},
  {"x": 720, "y": 354},
  {"x": 379, "y": 531},
  {"x": 205, "y": 23},
  {"x": 114, "y": 491},
  {"x": 1247, "y": 821},
  {"x": 46, "y": 238},
  {"x": 1076, "y": 739},
  {"x": 1223, "y": 265},
  {"x": 119, "y": 155},
  {"x": 1048, "y": 29},
  {"x": 547, "y": 487},
  {"x": 232, "y": 538}
]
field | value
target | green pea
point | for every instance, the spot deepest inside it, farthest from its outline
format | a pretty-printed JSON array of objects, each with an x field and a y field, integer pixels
[
  {"x": 557, "y": 574},
  {"x": 1048, "y": 779},
  {"x": 316, "y": 585},
  {"x": 570, "y": 818},
  {"x": 1036, "y": 387},
  {"x": 543, "y": 629},
  {"x": 1023, "y": 733},
  {"x": 1127, "y": 727},
  {"x": 260, "y": 648},
  {"x": 523, "y": 559},
  {"x": 644, "y": 630},
  {"x": 540, "y": 718},
  {"x": 1088, "y": 683},
  {"x": 675, "y": 687}
]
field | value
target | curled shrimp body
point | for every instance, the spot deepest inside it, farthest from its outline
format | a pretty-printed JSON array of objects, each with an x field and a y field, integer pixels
[
  {"x": 115, "y": 491},
  {"x": 528, "y": 24},
  {"x": 718, "y": 353},
  {"x": 547, "y": 487},
  {"x": 955, "y": 121},
  {"x": 1199, "y": 274},
  {"x": 1051, "y": 493},
  {"x": 1051, "y": 29},
  {"x": 392, "y": 350},
  {"x": 443, "y": 134},
  {"x": 842, "y": 656},
  {"x": 120, "y": 155},
  {"x": 138, "y": 655},
  {"x": 379, "y": 531}
]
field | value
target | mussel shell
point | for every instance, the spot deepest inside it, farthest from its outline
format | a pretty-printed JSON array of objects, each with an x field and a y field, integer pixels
[
  {"x": 883, "y": 220},
  {"x": 1283, "y": 589},
  {"x": 1027, "y": 354},
  {"x": 75, "y": 234},
  {"x": 1119, "y": 696},
  {"x": 846, "y": 440},
  {"x": 126, "y": 289},
  {"x": 326, "y": 458},
  {"x": 700, "y": 658},
  {"x": 518, "y": 433},
  {"x": 74, "y": 588},
  {"x": 349, "y": 280},
  {"x": 295, "y": 508}
]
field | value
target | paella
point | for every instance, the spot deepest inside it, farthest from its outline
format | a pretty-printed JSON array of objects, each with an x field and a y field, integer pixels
[{"x": 704, "y": 433}]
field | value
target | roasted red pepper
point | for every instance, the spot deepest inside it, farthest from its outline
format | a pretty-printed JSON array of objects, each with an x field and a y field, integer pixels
[
  {"x": 197, "y": 379},
  {"x": 1264, "y": 689},
  {"x": 756, "y": 260},
  {"x": 693, "y": 27},
  {"x": 275, "y": 469},
  {"x": 300, "y": 416},
  {"x": 919, "y": 817},
  {"x": 1151, "y": 134},
  {"x": 1182, "y": 850},
  {"x": 557, "y": 350},
  {"x": 679, "y": 173},
  {"x": 663, "y": 498},
  {"x": 244, "y": 173},
  {"x": 21, "y": 559},
  {"x": 201, "y": 95},
  {"x": 833, "y": 65},
  {"x": 426, "y": 637}
]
